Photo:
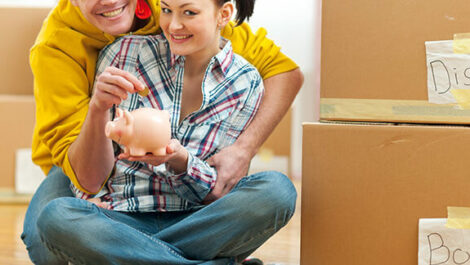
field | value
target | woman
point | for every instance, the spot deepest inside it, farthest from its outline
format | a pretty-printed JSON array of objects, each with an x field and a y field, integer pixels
[{"x": 63, "y": 61}]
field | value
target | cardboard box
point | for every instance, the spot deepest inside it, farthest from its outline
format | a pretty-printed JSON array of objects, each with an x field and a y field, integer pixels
[
  {"x": 373, "y": 59},
  {"x": 19, "y": 28},
  {"x": 17, "y": 123},
  {"x": 364, "y": 187}
]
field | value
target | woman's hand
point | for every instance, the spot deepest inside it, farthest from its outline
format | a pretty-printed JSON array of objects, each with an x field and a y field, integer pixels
[
  {"x": 176, "y": 157},
  {"x": 112, "y": 86}
]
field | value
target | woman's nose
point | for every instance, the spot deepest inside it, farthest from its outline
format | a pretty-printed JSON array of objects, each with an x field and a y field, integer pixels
[{"x": 175, "y": 23}]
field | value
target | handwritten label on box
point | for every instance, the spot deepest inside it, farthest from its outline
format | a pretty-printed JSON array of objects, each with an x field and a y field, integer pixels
[
  {"x": 439, "y": 244},
  {"x": 446, "y": 70}
]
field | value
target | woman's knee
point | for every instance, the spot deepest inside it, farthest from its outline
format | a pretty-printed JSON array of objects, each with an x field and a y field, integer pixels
[
  {"x": 273, "y": 195},
  {"x": 277, "y": 190}
]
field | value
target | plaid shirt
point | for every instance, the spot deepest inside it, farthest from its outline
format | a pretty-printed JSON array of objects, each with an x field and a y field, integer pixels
[{"x": 232, "y": 90}]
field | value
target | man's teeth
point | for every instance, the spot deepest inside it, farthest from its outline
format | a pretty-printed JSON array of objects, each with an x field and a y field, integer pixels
[
  {"x": 113, "y": 13},
  {"x": 181, "y": 37}
]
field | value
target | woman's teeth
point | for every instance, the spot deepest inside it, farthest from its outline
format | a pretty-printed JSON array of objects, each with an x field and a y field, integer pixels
[
  {"x": 181, "y": 37},
  {"x": 113, "y": 13}
]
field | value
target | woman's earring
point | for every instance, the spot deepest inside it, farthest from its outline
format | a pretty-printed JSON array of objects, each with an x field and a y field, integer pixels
[{"x": 142, "y": 10}]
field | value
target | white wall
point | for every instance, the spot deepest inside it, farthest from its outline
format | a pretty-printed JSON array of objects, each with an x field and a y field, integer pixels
[
  {"x": 295, "y": 26},
  {"x": 28, "y": 3}
]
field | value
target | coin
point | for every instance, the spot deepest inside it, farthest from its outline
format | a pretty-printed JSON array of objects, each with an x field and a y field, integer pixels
[{"x": 144, "y": 92}]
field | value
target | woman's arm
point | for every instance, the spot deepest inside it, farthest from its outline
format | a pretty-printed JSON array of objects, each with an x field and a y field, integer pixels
[
  {"x": 189, "y": 176},
  {"x": 91, "y": 154}
]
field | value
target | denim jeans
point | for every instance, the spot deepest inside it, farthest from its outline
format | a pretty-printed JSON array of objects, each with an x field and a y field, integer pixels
[
  {"x": 55, "y": 185},
  {"x": 223, "y": 232}
]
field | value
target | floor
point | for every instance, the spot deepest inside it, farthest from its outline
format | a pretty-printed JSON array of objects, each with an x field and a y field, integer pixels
[{"x": 283, "y": 248}]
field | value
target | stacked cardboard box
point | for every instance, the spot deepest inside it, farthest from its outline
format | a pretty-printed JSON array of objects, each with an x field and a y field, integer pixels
[
  {"x": 19, "y": 27},
  {"x": 365, "y": 185},
  {"x": 374, "y": 59}
]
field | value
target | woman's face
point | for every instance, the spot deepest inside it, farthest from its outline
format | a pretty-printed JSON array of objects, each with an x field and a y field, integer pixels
[
  {"x": 111, "y": 16},
  {"x": 191, "y": 26}
]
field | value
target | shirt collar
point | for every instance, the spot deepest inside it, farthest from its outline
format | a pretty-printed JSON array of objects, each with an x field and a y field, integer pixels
[{"x": 223, "y": 60}]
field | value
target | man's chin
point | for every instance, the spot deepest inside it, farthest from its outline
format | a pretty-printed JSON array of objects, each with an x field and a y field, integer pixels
[{"x": 117, "y": 30}]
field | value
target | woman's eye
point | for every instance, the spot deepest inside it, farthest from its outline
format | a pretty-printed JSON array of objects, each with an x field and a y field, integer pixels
[
  {"x": 189, "y": 13},
  {"x": 166, "y": 10}
]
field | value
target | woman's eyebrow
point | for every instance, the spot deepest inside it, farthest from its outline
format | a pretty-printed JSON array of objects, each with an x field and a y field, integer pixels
[{"x": 182, "y": 5}]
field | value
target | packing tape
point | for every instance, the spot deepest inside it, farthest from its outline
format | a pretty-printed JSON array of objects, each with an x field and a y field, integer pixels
[
  {"x": 462, "y": 96},
  {"x": 461, "y": 43},
  {"x": 458, "y": 217},
  {"x": 388, "y": 110}
]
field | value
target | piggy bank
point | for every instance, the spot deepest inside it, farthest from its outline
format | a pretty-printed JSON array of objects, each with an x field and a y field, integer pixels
[{"x": 141, "y": 131}]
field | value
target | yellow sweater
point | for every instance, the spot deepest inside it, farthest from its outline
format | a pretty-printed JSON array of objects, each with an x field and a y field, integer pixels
[{"x": 63, "y": 61}]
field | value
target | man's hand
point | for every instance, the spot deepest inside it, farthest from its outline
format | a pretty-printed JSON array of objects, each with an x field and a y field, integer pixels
[{"x": 232, "y": 164}]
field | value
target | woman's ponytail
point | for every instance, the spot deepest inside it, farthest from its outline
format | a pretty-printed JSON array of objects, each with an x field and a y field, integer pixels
[{"x": 245, "y": 9}]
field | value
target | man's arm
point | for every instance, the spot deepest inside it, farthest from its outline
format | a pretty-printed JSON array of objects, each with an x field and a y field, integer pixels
[{"x": 233, "y": 161}]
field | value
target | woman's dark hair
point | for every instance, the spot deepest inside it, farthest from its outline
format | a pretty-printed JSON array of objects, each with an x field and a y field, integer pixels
[{"x": 244, "y": 9}]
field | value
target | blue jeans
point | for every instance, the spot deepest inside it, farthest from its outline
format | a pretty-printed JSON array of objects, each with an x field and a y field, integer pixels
[
  {"x": 56, "y": 185},
  {"x": 223, "y": 232}
]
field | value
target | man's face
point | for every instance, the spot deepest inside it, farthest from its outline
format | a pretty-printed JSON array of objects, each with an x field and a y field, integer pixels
[{"x": 111, "y": 16}]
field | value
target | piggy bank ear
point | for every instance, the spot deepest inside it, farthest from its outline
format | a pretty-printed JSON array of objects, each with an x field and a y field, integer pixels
[{"x": 128, "y": 117}]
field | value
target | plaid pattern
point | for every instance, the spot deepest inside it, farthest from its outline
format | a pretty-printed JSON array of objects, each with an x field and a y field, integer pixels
[{"x": 232, "y": 90}]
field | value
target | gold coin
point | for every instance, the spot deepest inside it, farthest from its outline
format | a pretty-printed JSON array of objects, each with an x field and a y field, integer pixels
[{"x": 144, "y": 92}]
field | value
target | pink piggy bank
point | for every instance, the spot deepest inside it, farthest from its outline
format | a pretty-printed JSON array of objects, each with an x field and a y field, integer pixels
[{"x": 141, "y": 131}]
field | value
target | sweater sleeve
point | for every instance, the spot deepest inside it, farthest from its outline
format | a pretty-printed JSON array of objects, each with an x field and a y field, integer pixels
[
  {"x": 258, "y": 50},
  {"x": 61, "y": 90}
]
